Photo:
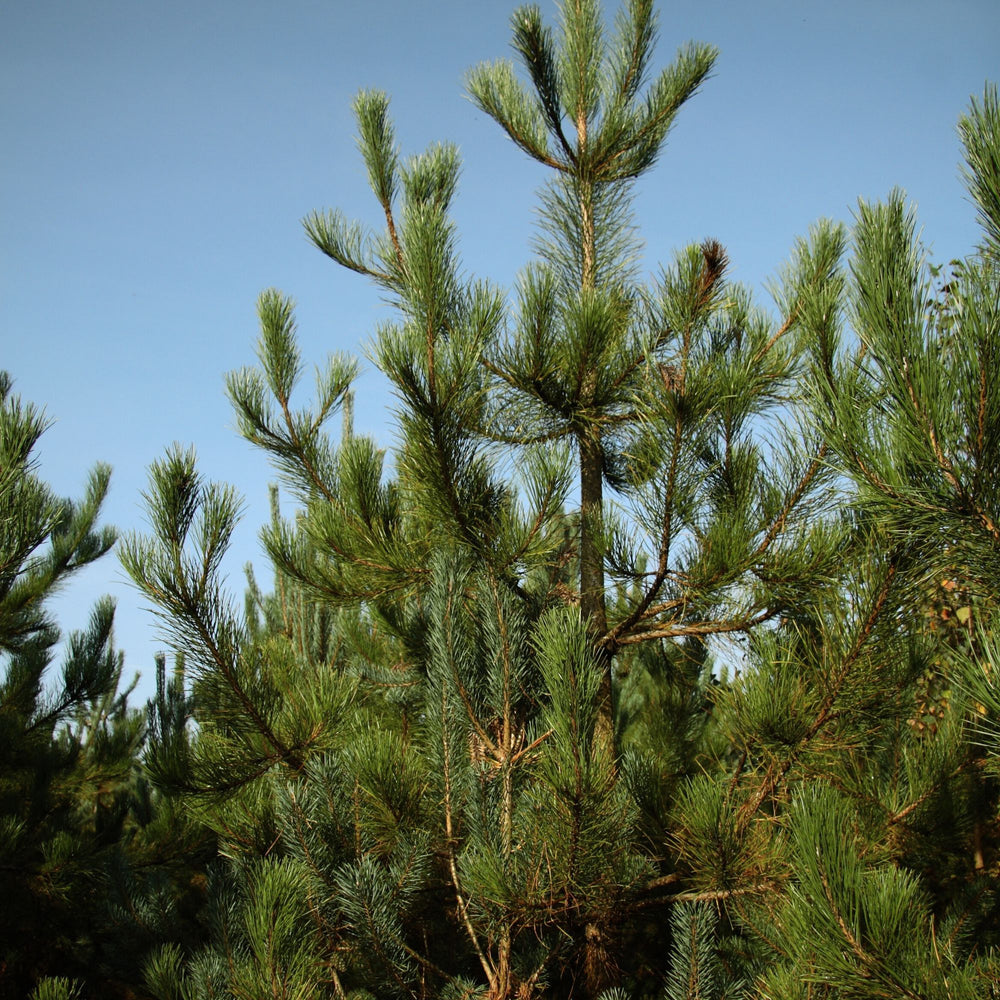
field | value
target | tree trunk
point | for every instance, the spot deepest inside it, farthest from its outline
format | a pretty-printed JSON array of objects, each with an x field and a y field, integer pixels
[{"x": 592, "y": 602}]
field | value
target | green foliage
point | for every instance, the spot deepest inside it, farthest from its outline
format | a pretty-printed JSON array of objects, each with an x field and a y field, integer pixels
[
  {"x": 56, "y": 988},
  {"x": 859, "y": 926},
  {"x": 915, "y": 414},
  {"x": 979, "y": 129},
  {"x": 68, "y": 744},
  {"x": 647, "y": 664}
]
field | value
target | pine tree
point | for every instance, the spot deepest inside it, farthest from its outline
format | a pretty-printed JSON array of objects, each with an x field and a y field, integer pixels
[
  {"x": 68, "y": 746},
  {"x": 854, "y": 847},
  {"x": 479, "y": 739}
]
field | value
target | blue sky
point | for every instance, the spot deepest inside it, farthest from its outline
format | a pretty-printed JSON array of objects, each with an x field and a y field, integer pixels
[{"x": 158, "y": 156}]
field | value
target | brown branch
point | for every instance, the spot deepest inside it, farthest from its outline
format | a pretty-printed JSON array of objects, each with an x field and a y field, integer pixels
[
  {"x": 189, "y": 608},
  {"x": 658, "y": 609},
  {"x": 779, "y": 333},
  {"x": 718, "y": 895},
  {"x": 394, "y": 236},
  {"x": 533, "y": 530},
  {"x": 530, "y": 147},
  {"x": 797, "y": 493},
  {"x": 463, "y": 694},
  {"x": 698, "y": 629},
  {"x": 659, "y": 883},
  {"x": 633, "y": 64},
  {"x": 861, "y": 954},
  {"x": 738, "y": 773},
  {"x": 924, "y": 418},
  {"x": 296, "y": 443},
  {"x": 521, "y": 439},
  {"x": 531, "y": 746},
  {"x": 450, "y": 841},
  {"x": 898, "y": 817},
  {"x": 869, "y": 624}
]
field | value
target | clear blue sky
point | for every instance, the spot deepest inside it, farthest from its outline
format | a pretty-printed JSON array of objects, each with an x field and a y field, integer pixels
[{"x": 158, "y": 155}]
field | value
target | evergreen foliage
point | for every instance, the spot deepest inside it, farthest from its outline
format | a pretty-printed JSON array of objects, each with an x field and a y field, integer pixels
[
  {"x": 485, "y": 737},
  {"x": 68, "y": 746},
  {"x": 97, "y": 864}
]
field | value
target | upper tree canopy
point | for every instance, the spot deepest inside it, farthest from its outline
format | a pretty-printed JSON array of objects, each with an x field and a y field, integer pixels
[{"x": 663, "y": 390}]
